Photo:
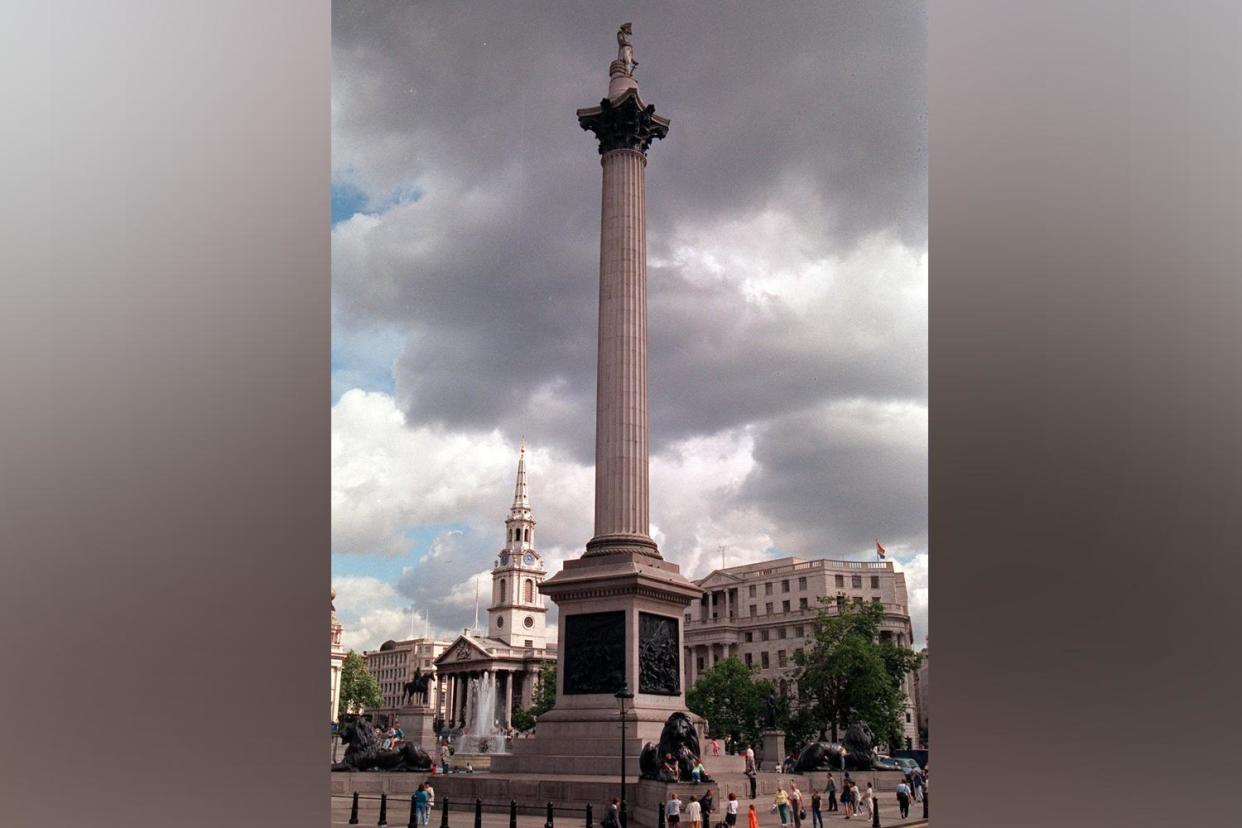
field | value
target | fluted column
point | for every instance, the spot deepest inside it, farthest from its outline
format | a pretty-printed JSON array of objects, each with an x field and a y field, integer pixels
[{"x": 621, "y": 484}]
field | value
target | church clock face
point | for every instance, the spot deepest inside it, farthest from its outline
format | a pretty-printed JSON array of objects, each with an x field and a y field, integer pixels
[
  {"x": 529, "y": 622},
  {"x": 504, "y": 558},
  {"x": 529, "y": 559}
]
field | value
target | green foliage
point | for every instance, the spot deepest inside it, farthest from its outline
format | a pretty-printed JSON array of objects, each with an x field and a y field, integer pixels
[
  {"x": 731, "y": 699},
  {"x": 847, "y": 674},
  {"x": 544, "y": 699},
  {"x": 359, "y": 689}
]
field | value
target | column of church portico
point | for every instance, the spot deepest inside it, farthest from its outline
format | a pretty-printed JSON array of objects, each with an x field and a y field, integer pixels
[{"x": 506, "y": 718}]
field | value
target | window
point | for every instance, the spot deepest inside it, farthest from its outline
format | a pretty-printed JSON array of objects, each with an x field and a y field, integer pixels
[
  {"x": 785, "y": 585},
  {"x": 764, "y": 660},
  {"x": 526, "y": 531},
  {"x": 750, "y": 661},
  {"x": 907, "y": 718},
  {"x": 768, "y": 607},
  {"x": 858, "y": 600},
  {"x": 875, "y": 599},
  {"x": 802, "y": 582},
  {"x": 700, "y": 664},
  {"x": 763, "y": 635},
  {"x": 529, "y": 643},
  {"x": 799, "y": 631},
  {"x": 797, "y": 652},
  {"x": 687, "y": 618},
  {"x": 840, "y": 580},
  {"x": 767, "y": 589},
  {"x": 749, "y": 637},
  {"x": 503, "y": 584},
  {"x": 781, "y": 632},
  {"x": 856, "y": 581},
  {"x": 754, "y": 610},
  {"x": 780, "y": 658},
  {"x": 802, "y": 603},
  {"x": 528, "y": 591},
  {"x": 784, "y": 606},
  {"x": 750, "y": 591}
]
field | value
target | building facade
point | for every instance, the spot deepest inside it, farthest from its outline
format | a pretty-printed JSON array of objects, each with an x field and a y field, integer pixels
[
  {"x": 337, "y": 657},
  {"x": 515, "y": 647},
  {"x": 395, "y": 663},
  {"x": 763, "y": 613},
  {"x": 920, "y": 699}
]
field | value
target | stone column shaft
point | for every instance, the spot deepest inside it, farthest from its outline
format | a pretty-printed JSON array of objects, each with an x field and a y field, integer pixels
[{"x": 621, "y": 424}]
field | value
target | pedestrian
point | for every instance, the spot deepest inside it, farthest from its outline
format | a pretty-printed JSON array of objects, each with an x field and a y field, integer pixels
[
  {"x": 751, "y": 776},
  {"x": 715, "y": 746},
  {"x": 868, "y": 801},
  {"x": 431, "y": 795},
  {"x": 780, "y": 803},
  {"x": 847, "y": 803},
  {"x": 421, "y": 810},
  {"x": 610, "y": 819},
  {"x": 795, "y": 804},
  {"x": 831, "y": 789},
  {"x": 672, "y": 811},
  {"x": 916, "y": 782},
  {"x": 750, "y": 756},
  {"x": 707, "y": 803},
  {"x": 731, "y": 810},
  {"x": 817, "y": 818},
  {"x": 694, "y": 813},
  {"x": 752, "y": 819},
  {"x": 903, "y": 798}
]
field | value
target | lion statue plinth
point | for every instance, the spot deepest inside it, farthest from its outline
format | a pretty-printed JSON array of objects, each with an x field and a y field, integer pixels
[
  {"x": 678, "y": 740},
  {"x": 826, "y": 756},
  {"x": 363, "y": 752}
]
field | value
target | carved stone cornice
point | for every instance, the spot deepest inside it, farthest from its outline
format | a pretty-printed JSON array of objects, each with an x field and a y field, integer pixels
[{"x": 624, "y": 122}]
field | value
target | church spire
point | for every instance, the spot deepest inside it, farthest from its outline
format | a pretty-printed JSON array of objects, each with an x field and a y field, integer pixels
[{"x": 521, "y": 498}]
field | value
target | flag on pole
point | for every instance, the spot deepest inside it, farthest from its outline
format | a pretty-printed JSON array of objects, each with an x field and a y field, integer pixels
[{"x": 879, "y": 550}]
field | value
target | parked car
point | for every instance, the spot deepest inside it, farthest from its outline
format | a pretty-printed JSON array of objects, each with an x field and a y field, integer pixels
[
  {"x": 907, "y": 764},
  {"x": 887, "y": 763}
]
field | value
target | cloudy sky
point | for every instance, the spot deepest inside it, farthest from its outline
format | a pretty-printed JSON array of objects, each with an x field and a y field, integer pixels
[{"x": 787, "y": 282}]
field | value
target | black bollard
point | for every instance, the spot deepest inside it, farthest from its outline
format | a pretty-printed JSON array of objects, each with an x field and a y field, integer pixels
[
  {"x": 660, "y": 821},
  {"x": 444, "y": 813},
  {"x": 383, "y": 820},
  {"x": 353, "y": 810},
  {"x": 588, "y": 822},
  {"x": 413, "y": 811},
  {"x": 925, "y": 803},
  {"x": 478, "y": 813},
  {"x": 875, "y": 811},
  {"x": 548, "y": 824},
  {"x": 624, "y": 820},
  {"x": 512, "y": 813}
]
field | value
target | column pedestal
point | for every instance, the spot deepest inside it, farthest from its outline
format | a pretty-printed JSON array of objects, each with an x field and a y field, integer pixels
[{"x": 772, "y": 743}]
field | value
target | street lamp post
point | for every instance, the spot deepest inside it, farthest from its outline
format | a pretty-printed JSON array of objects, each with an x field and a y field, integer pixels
[{"x": 624, "y": 698}]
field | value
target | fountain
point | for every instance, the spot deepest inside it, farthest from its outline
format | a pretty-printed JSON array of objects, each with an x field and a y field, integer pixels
[{"x": 481, "y": 736}]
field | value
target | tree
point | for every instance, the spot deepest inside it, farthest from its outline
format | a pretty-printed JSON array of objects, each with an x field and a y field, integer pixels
[
  {"x": 544, "y": 699},
  {"x": 848, "y": 674},
  {"x": 731, "y": 699},
  {"x": 359, "y": 689}
]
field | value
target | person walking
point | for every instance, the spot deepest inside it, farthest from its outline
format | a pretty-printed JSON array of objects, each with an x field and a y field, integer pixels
[
  {"x": 830, "y": 788},
  {"x": 903, "y": 798},
  {"x": 752, "y": 819},
  {"x": 731, "y": 805},
  {"x": 611, "y": 818},
  {"x": 750, "y": 769},
  {"x": 715, "y": 746},
  {"x": 781, "y": 803},
  {"x": 694, "y": 813},
  {"x": 795, "y": 804},
  {"x": 421, "y": 811},
  {"x": 847, "y": 798},
  {"x": 706, "y": 802},
  {"x": 817, "y": 817},
  {"x": 916, "y": 782},
  {"x": 672, "y": 811},
  {"x": 431, "y": 796},
  {"x": 868, "y": 801}
]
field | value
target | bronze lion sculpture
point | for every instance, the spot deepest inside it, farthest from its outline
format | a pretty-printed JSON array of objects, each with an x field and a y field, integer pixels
[
  {"x": 363, "y": 752},
  {"x": 679, "y": 742},
  {"x": 819, "y": 756}
]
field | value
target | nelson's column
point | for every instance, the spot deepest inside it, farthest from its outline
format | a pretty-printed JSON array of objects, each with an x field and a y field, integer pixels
[{"x": 620, "y": 603}]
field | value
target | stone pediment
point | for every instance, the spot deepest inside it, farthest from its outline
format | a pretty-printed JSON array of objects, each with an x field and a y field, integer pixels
[
  {"x": 719, "y": 579},
  {"x": 463, "y": 649}
]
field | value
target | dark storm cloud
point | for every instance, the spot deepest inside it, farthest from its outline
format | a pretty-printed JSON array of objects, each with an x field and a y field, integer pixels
[{"x": 815, "y": 111}]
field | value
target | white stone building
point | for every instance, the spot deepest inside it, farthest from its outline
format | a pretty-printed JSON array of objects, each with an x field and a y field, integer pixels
[
  {"x": 395, "y": 663},
  {"x": 337, "y": 658},
  {"x": 763, "y": 613},
  {"x": 515, "y": 646}
]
